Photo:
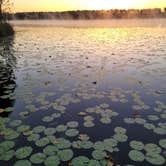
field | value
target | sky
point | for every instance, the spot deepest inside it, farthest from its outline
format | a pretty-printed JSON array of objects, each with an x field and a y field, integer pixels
[{"x": 65, "y": 5}]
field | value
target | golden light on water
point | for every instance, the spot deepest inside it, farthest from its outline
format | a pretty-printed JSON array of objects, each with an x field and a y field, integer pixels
[{"x": 64, "y": 5}]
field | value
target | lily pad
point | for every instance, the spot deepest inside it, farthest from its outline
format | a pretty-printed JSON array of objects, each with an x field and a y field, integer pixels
[
  {"x": 49, "y": 131},
  {"x": 65, "y": 155},
  {"x": 48, "y": 119},
  {"x": 120, "y": 130},
  {"x": 99, "y": 154},
  {"x": 80, "y": 161},
  {"x": 152, "y": 148},
  {"x": 42, "y": 142},
  {"x": 63, "y": 143},
  {"x": 23, "y": 152},
  {"x": 162, "y": 143},
  {"x": 52, "y": 161},
  {"x": 120, "y": 137},
  {"x": 7, "y": 155},
  {"x": 38, "y": 158},
  {"x": 105, "y": 120},
  {"x": 15, "y": 123},
  {"x": 61, "y": 128},
  {"x": 94, "y": 163},
  {"x": 38, "y": 129},
  {"x": 12, "y": 135},
  {"x": 23, "y": 163},
  {"x": 72, "y": 124},
  {"x": 137, "y": 145},
  {"x": 99, "y": 145},
  {"x": 156, "y": 159},
  {"x": 136, "y": 156},
  {"x": 33, "y": 137},
  {"x": 6, "y": 145},
  {"x": 50, "y": 150},
  {"x": 72, "y": 132}
]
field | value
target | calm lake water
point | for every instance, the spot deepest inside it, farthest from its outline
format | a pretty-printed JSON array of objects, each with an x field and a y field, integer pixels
[{"x": 83, "y": 93}]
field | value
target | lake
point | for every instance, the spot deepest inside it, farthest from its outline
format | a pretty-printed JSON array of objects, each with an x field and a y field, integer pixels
[{"x": 83, "y": 93}]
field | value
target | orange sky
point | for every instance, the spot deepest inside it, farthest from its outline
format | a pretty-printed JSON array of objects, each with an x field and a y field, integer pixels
[{"x": 63, "y": 5}]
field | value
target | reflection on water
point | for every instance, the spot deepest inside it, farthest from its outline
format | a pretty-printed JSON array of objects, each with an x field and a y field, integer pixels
[
  {"x": 7, "y": 77},
  {"x": 92, "y": 92}
]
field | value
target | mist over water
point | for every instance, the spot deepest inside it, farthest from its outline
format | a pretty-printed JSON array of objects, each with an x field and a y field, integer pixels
[{"x": 113, "y": 23}]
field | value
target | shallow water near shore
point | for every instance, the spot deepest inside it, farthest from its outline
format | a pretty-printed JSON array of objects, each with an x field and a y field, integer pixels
[{"x": 67, "y": 91}]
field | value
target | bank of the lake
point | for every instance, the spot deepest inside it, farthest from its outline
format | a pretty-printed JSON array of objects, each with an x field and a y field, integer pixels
[{"x": 6, "y": 30}]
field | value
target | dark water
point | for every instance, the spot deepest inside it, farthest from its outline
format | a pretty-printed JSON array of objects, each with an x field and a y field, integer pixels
[{"x": 118, "y": 72}]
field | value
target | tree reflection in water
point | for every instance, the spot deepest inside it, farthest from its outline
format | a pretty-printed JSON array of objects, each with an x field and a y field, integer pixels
[{"x": 7, "y": 77}]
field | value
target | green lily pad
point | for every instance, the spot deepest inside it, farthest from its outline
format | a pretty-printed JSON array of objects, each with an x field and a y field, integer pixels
[
  {"x": 7, "y": 155},
  {"x": 12, "y": 135},
  {"x": 149, "y": 126},
  {"x": 23, "y": 128},
  {"x": 15, "y": 123},
  {"x": 94, "y": 163},
  {"x": 137, "y": 145},
  {"x": 38, "y": 158},
  {"x": 22, "y": 163},
  {"x": 105, "y": 120},
  {"x": 50, "y": 150},
  {"x": 153, "y": 117},
  {"x": 80, "y": 161},
  {"x": 152, "y": 148},
  {"x": 99, "y": 145},
  {"x": 33, "y": 137},
  {"x": 23, "y": 152},
  {"x": 38, "y": 129},
  {"x": 162, "y": 143},
  {"x": 86, "y": 144},
  {"x": 52, "y": 161},
  {"x": 156, "y": 159},
  {"x": 50, "y": 131},
  {"x": 65, "y": 155},
  {"x": 99, "y": 154},
  {"x": 72, "y": 124},
  {"x": 42, "y": 142},
  {"x": 136, "y": 156},
  {"x": 129, "y": 120},
  {"x": 120, "y": 137},
  {"x": 88, "y": 124},
  {"x": 72, "y": 132},
  {"x": 159, "y": 131},
  {"x": 120, "y": 130},
  {"x": 61, "y": 128},
  {"x": 110, "y": 142},
  {"x": 63, "y": 143},
  {"x": 7, "y": 145},
  {"x": 140, "y": 121},
  {"x": 48, "y": 119}
]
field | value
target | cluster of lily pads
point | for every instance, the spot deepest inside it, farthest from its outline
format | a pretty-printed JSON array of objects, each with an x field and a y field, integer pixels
[{"x": 149, "y": 152}]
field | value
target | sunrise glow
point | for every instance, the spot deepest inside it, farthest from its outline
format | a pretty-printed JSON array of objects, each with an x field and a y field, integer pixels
[{"x": 64, "y": 5}]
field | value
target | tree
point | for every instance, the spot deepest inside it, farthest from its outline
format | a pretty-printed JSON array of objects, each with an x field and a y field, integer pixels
[{"x": 5, "y": 9}]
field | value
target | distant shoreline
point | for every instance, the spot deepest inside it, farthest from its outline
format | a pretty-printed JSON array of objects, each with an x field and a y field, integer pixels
[{"x": 91, "y": 14}]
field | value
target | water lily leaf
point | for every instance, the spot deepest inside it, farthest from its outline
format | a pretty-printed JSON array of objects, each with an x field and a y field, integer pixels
[
  {"x": 110, "y": 142},
  {"x": 33, "y": 137},
  {"x": 7, "y": 155},
  {"x": 52, "y": 161},
  {"x": 120, "y": 137},
  {"x": 23, "y": 163},
  {"x": 98, "y": 154},
  {"x": 72, "y": 124},
  {"x": 42, "y": 142},
  {"x": 136, "y": 156},
  {"x": 72, "y": 132},
  {"x": 23, "y": 128},
  {"x": 50, "y": 150},
  {"x": 38, "y": 158},
  {"x": 48, "y": 119},
  {"x": 23, "y": 152},
  {"x": 156, "y": 159},
  {"x": 159, "y": 131},
  {"x": 105, "y": 120},
  {"x": 61, "y": 128},
  {"x": 94, "y": 163},
  {"x": 162, "y": 143},
  {"x": 6, "y": 145},
  {"x": 80, "y": 161},
  {"x": 86, "y": 144},
  {"x": 15, "y": 123},
  {"x": 38, "y": 129},
  {"x": 149, "y": 126},
  {"x": 153, "y": 117},
  {"x": 140, "y": 121},
  {"x": 12, "y": 135},
  {"x": 137, "y": 145},
  {"x": 50, "y": 131},
  {"x": 100, "y": 145},
  {"x": 152, "y": 148},
  {"x": 65, "y": 155},
  {"x": 89, "y": 124},
  {"x": 63, "y": 143},
  {"x": 129, "y": 120},
  {"x": 120, "y": 130}
]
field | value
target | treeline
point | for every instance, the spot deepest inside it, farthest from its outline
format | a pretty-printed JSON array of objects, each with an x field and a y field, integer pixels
[{"x": 92, "y": 14}]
